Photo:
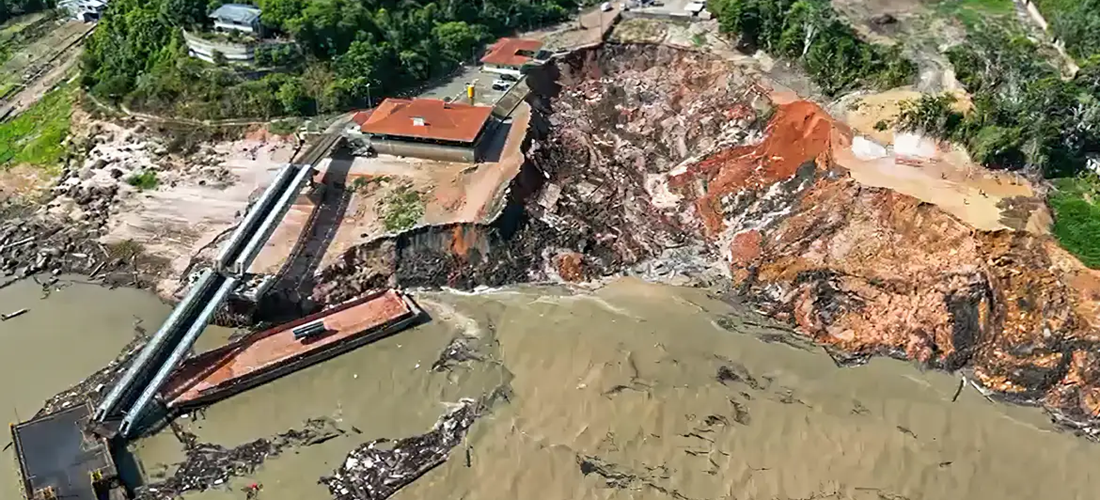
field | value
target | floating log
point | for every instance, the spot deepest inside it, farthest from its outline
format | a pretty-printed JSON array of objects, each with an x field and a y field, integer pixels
[{"x": 5, "y": 317}]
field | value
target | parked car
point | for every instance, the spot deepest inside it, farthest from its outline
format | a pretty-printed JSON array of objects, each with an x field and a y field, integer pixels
[
  {"x": 606, "y": 6},
  {"x": 501, "y": 84}
]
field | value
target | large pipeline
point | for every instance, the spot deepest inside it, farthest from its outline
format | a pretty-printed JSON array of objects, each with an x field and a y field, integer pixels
[
  {"x": 270, "y": 222},
  {"x": 178, "y": 318},
  {"x": 233, "y": 260},
  {"x": 230, "y": 250},
  {"x": 182, "y": 348}
]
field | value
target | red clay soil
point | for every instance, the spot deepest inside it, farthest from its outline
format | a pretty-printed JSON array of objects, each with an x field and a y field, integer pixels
[
  {"x": 798, "y": 132},
  {"x": 464, "y": 238},
  {"x": 744, "y": 250},
  {"x": 872, "y": 271},
  {"x": 570, "y": 266}
]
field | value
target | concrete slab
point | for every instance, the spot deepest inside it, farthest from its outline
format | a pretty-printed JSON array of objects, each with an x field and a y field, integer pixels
[{"x": 55, "y": 452}]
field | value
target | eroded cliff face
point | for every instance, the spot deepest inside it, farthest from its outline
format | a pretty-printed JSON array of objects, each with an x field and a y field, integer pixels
[
  {"x": 866, "y": 270},
  {"x": 871, "y": 271},
  {"x": 675, "y": 166}
]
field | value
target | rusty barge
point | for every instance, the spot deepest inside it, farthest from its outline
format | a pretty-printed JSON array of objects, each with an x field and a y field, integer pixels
[{"x": 264, "y": 356}]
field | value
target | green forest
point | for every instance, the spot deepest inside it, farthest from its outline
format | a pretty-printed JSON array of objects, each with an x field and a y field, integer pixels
[
  {"x": 811, "y": 32},
  {"x": 1026, "y": 115},
  {"x": 137, "y": 56}
]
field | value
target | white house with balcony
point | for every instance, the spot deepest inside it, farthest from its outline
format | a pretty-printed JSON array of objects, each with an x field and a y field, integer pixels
[{"x": 238, "y": 17}]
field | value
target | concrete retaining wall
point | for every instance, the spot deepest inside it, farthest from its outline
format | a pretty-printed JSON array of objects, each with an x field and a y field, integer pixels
[
  {"x": 426, "y": 151},
  {"x": 677, "y": 17},
  {"x": 204, "y": 49}
]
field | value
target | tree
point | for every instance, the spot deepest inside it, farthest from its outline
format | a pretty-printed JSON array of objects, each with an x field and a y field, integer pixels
[
  {"x": 932, "y": 115},
  {"x": 327, "y": 28},
  {"x": 457, "y": 39},
  {"x": 416, "y": 65},
  {"x": 292, "y": 95},
  {"x": 280, "y": 14},
  {"x": 342, "y": 47},
  {"x": 363, "y": 61},
  {"x": 184, "y": 13},
  {"x": 811, "y": 32}
]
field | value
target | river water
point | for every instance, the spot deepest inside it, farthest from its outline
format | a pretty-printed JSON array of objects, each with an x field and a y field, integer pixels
[{"x": 629, "y": 391}]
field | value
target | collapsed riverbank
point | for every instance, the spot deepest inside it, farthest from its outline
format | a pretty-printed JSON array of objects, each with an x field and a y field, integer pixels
[
  {"x": 695, "y": 176},
  {"x": 629, "y": 390},
  {"x": 690, "y": 174},
  {"x": 677, "y": 166}
]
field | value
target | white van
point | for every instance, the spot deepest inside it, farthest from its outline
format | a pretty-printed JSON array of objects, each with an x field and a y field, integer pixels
[{"x": 606, "y": 6}]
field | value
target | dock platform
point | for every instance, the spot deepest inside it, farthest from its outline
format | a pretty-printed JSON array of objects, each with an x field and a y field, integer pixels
[
  {"x": 264, "y": 356},
  {"x": 59, "y": 458}
]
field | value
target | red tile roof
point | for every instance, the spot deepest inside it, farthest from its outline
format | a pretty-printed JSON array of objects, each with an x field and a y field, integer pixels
[
  {"x": 441, "y": 120},
  {"x": 361, "y": 117},
  {"x": 506, "y": 51}
]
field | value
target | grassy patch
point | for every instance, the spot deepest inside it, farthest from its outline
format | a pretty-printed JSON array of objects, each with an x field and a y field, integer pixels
[
  {"x": 125, "y": 250},
  {"x": 990, "y": 6},
  {"x": 145, "y": 181},
  {"x": 7, "y": 88},
  {"x": 1051, "y": 8},
  {"x": 1076, "y": 205},
  {"x": 974, "y": 13},
  {"x": 36, "y": 136},
  {"x": 365, "y": 183},
  {"x": 403, "y": 209},
  {"x": 284, "y": 127},
  {"x": 699, "y": 39}
]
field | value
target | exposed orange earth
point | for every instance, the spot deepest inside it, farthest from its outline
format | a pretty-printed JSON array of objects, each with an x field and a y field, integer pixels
[{"x": 874, "y": 271}]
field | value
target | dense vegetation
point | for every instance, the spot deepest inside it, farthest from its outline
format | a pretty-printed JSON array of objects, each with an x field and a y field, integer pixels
[
  {"x": 138, "y": 56},
  {"x": 1076, "y": 22},
  {"x": 1076, "y": 202},
  {"x": 1025, "y": 115},
  {"x": 811, "y": 32},
  {"x": 12, "y": 8}
]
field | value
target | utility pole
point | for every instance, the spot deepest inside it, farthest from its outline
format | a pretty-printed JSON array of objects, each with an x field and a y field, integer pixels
[{"x": 369, "y": 105}]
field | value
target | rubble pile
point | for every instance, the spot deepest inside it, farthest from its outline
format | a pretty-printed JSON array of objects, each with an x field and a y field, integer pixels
[
  {"x": 377, "y": 469},
  {"x": 592, "y": 200},
  {"x": 112, "y": 155},
  {"x": 625, "y": 117},
  {"x": 65, "y": 232},
  {"x": 211, "y": 465},
  {"x": 30, "y": 245}
]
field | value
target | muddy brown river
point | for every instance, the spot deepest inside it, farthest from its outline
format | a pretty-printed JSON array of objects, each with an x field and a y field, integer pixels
[{"x": 629, "y": 391}]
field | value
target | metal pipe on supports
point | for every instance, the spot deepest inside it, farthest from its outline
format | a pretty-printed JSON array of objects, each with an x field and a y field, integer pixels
[
  {"x": 244, "y": 259},
  {"x": 181, "y": 350},
  {"x": 228, "y": 251},
  {"x": 179, "y": 314}
]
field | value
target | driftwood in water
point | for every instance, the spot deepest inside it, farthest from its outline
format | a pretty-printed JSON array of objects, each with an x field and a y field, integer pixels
[{"x": 5, "y": 317}]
